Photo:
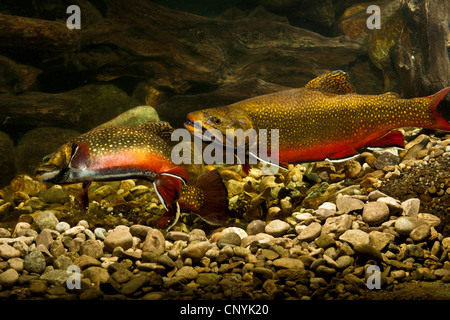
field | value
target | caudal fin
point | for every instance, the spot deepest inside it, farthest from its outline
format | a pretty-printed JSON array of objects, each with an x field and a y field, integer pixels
[
  {"x": 440, "y": 122},
  {"x": 208, "y": 197},
  {"x": 168, "y": 185}
]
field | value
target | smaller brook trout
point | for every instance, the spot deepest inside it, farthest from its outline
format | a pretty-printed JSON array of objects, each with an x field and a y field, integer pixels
[
  {"x": 143, "y": 152},
  {"x": 325, "y": 120}
]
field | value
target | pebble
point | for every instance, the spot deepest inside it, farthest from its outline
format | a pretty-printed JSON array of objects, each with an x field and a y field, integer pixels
[
  {"x": 255, "y": 227},
  {"x": 374, "y": 213},
  {"x": 154, "y": 242},
  {"x": 100, "y": 233},
  {"x": 45, "y": 238},
  {"x": 386, "y": 159},
  {"x": 347, "y": 204},
  {"x": 119, "y": 237},
  {"x": 38, "y": 286},
  {"x": 380, "y": 240},
  {"x": 8, "y": 252},
  {"x": 46, "y": 220},
  {"x": 72, "y": 232},
  {"x": 187, "y": 272},
  {"x": 34, "y": 262},
  {"x": 277, "y": 228},
  {"x": 325, "y": 210},
  {"x": 134, "y": 284},
  {"x": 241, "y": 232},
  {"x": 355, "y": 237},
  {"x": 62, "y": 226},
  {"x": 92, "y": 248},
  {"x": 343, "y": 262},
  {"x": 229, "y": 239},
  {"x": 311, "y": 232},
  {"x": 404, "y": 226},
  {"x": 411, "y": 207},
  {"x": 195, "y": 251},
  {"x": 8, "y": 278},
  {"x": 420, "y": 233},
  {"x": 288, "y": 263},
  {"x": 16, "y": 264},
  {"x": 337, "y": 225}
]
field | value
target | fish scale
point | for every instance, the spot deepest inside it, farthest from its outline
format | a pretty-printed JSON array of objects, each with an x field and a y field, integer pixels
[
  {"x": 326, "y": 119},
  {"x": 142, "y": 152}
]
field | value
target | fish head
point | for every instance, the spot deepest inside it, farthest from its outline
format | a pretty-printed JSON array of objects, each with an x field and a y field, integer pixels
[
  {"x": 216, "y": 121},
  {"x": 54, "y": 166}
]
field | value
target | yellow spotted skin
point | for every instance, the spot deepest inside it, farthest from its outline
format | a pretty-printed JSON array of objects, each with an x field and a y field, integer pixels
[
  {"x": 139, "y": 147},
  {"x": 325, "y": 119},
  {"x": 191, "y": 198}
]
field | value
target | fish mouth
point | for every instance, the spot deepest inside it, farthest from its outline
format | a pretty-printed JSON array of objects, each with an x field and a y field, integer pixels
[
  {"x": 203, "y": 131},
  {"x": 50, "y": 174}
]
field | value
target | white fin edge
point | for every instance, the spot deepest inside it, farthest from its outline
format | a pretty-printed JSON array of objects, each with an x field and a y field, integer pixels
[
  {"x": 177, "y": 217},
  {"x": 267, "y": 162},
  {"x": 172, "y": 175},
  {"x": 343, "y": 159}
]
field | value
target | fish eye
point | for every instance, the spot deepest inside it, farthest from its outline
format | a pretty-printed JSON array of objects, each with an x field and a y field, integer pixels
[
  {"x": 216, "y": 120},
  {"x": 46, "y": 158}
]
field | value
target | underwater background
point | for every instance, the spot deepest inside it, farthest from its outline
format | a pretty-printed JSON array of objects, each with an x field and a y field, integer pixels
[{"x": 307, "y": 234}]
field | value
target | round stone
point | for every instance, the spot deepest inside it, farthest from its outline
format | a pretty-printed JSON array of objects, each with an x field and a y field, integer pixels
[
  {"x": 229, "y": 239},
  {"x": 9, "y": 277},
  {"x": 100, "y": 233},
  {"x": 404, "y": 226},
  {"x": 277, "y": 228},
  {"x": 255, "y": 227},
  {"x": 119, "y": 237},
  {"x": 62, "y": 226},
  {"x": 92, "y": 248},
  {"x": 311, "y": 232},
  {"x": 8, "y": 252},
  {"x": 187, "y": 272},
  {"x": 34, "y": 262},
  {"x": 46, "y": 220},
  {"x": 420, "y": 233},
  {"x": 195, "y": 251},
  {"x": 375, "y": 213}
]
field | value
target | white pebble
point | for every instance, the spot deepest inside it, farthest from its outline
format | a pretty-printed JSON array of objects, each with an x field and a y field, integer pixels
[
  {"x": 74, "y": 231},
  {"x": 62, "y": 226},
  {"x": 100, "y": 233}
]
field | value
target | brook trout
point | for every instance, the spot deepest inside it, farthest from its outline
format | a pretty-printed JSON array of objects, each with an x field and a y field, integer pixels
[
  {"x": 143, "y": 152},
  {"x": 325, "y": 120}
]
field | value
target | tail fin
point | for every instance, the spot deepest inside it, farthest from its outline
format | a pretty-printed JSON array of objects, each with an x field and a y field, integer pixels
[
  {"x": 441, "y": 123},
  {"x": 168, "y": 185},
  {"x": 208, "y": 197}
]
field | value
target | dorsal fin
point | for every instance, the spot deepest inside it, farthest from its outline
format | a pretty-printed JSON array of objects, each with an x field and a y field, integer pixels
[
  {"x": 160, "y": 128},
  {"x": 333, "y": 82},
  {"x": 393, "y": 95},
  {"x": 80, "y": 153}
]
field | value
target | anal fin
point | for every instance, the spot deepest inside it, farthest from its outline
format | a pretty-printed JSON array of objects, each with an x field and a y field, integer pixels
[
  {"x": 344, "y": 153},
  {"x": 392, "y": 138}
]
